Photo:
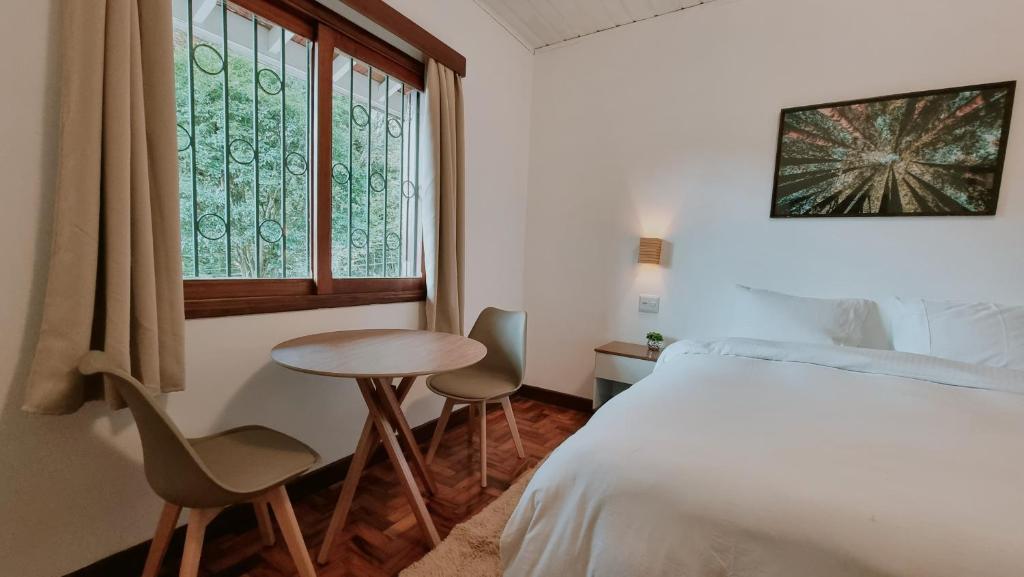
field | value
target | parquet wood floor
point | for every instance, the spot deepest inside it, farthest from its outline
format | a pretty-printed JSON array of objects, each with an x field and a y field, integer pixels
[{"x": 381, "y": 537}]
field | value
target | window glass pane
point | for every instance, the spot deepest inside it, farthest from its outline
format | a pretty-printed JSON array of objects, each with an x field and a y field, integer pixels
[
  {"x": 375, "y": 228},
  {"x": 242, "y": 86}
]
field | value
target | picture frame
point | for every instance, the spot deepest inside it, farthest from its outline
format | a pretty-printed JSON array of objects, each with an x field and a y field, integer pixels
[{"x": 928, "y": 153}]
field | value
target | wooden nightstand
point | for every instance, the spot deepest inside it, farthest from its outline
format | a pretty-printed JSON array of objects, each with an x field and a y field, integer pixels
[{"x": 617, "y": 366}]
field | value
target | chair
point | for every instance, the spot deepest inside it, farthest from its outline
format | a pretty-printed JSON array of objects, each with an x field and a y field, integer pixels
[
  {"x": 492, "y": 380},
  {"x": 207, "y": 474}
]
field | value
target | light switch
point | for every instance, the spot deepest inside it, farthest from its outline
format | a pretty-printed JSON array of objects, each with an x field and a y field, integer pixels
[{"x": 650, "y": 303}]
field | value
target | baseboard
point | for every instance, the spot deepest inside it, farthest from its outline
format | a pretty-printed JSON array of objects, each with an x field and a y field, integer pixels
[
  {"x": 240, "y": 518},
  {"x": 557, "y": 398}
]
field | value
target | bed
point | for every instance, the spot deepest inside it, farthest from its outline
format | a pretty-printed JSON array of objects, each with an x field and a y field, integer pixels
[{"x": 756, "y": 458}]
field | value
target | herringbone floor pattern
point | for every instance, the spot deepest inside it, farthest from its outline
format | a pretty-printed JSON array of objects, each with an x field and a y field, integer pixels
[{"x": 381, "y": 537}]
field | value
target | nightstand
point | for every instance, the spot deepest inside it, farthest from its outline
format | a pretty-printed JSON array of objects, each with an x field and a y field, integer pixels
[{"x": 617, "y": 366}]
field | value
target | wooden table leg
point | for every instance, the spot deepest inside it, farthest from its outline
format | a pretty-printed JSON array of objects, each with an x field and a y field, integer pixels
[
  {"x": 367, "y": 443},
  {"x": 368, "y": 440},
  {"x": 405, "y": 478},
  {"x": 394, "y": 411},
  {"x": 404, "y": 386},
  {"x": 423, "y": 475}
]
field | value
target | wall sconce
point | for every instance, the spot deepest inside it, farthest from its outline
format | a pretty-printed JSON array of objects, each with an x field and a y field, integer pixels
[{"x": 650, "y": 251}]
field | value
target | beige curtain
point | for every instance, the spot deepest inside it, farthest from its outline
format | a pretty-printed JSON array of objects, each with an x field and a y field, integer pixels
[
  {"x": 115, "y": 264},
  {"x": 444, "y": 201}
]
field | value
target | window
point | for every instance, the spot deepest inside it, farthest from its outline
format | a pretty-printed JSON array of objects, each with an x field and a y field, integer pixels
[
  {"x": 374, "y": 224},
  {"x": 254, "y": 123},
  {"x": 244, "y": 137}
]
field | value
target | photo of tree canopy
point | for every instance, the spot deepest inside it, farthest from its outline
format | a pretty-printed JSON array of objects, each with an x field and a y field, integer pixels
[{"x": 933, "y": 153}]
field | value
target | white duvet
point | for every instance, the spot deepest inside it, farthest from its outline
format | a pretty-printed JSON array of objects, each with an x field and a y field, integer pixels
[{"x": 746, "y": 458}]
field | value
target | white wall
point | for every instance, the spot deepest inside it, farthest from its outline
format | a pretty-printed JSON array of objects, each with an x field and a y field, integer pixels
[
  {"x": 663, "y": 128},
  {"x": 71, "y": 488},
  {"x": 668, "y": 127}
]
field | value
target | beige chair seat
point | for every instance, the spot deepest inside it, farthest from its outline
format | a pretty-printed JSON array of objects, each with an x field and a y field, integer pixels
[
  {"x": 473, "y": 384},
  {"x": 492, "y": 380},
  {"x": 253, "y": 459}
]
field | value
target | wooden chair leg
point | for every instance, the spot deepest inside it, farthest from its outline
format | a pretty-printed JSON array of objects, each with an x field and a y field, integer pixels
[
  {"x": 483, "y": 443},
  {"x": 506, "y": 404},
  {"x": 442, "y": 422},
  {"x": 198, "y": 519},
  {"x": 290, "y": 531},
  {"x": 161, "y": 539},
  {"x": 263, "y": 520}
]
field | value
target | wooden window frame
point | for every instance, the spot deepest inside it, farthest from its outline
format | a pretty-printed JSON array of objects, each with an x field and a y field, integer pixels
[{"x": 229, "y": 297}]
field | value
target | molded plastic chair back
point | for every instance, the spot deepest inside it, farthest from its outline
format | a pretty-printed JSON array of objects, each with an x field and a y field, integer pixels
[
  {"x": 173, "y": 468},
  {"x": 504, "y": 335}
]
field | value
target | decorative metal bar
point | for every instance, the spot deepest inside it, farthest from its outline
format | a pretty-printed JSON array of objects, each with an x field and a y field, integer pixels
[
  {"x": 309, "y": 155},
  {"x": 411, "y": 193},
  {"x": 256, "y": 142},
  {"x": 369, "y": 159},
  {"x": 387, "y": 112},
  {"x": 351, "y": 166},
  {"x": 284, "y": 196},
  {"x": 192, "y": 138},
  {"x": 407, "y": 185},
  {"x": 227, "y": 141},
  {"x": 416, "y": 188},
  {"x": 401, "y": 193}
]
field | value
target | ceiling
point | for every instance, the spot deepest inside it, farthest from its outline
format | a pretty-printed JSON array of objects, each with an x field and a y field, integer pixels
[{"x": 541, "y": 23}]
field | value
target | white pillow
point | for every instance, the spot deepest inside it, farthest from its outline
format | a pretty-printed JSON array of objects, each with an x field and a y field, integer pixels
[
  {"x": 769, "y": 315},
  {"x": 979, "y": 333}
]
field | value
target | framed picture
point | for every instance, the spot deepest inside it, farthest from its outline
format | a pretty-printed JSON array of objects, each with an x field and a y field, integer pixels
[{"x": 932, "y": 153}]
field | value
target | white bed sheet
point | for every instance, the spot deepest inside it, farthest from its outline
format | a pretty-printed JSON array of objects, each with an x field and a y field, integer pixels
[{"x": 725, "y": 463}]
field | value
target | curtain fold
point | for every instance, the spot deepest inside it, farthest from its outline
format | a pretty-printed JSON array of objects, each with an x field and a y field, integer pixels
[
  {"x": 444, "y": 202},
  {"x": 115, "y": 267}
]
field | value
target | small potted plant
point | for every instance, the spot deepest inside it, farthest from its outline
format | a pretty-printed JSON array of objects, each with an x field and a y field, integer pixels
[{"x": 654, "y": 341}]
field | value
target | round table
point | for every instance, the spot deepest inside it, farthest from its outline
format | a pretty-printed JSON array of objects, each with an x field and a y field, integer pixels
[{"x": 375, "y": 358}]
